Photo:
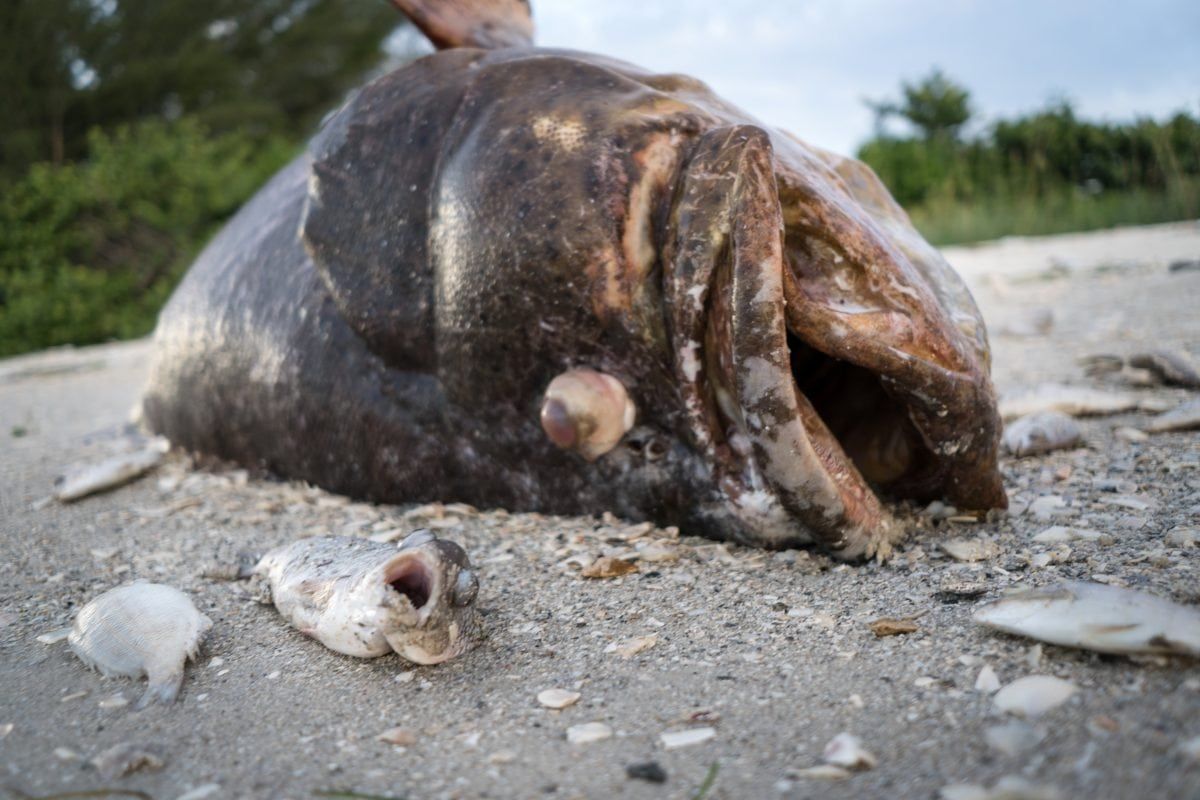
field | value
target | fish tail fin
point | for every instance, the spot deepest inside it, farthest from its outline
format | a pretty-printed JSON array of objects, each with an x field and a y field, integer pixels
[
  {"x": 161, "y": 688},
  {"x": 486, "y": 24}
]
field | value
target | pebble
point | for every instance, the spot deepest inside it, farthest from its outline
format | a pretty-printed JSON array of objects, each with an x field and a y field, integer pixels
[
  {"x": 648, "y": 771},
  {"x": 631, "y": 648},
  {"x": 588, "y": 732},
  {"x": 1131, "y": 435},
  {"x": 1034, "y": 695},
  {"x": 846, "y": 750},
  {"x": 1061, "y": 533},
  {"x": 987, "y": 681},
  {"x": 970, "y": 549},
  {"x": 66, "y": 754},
  {"x": 558, "y": 698},
  {"x": 686, "y": 738},
  {"x": 657, "y": 551}
]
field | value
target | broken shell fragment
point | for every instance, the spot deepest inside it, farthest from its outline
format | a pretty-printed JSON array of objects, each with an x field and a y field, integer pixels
[
  {"x": 1095, "y": 616},
  {"x": 1041, "y": 433},
  {"x": 140, "y": 629},
  {"x": 122, "y": 759},
  {"x": 588, "y": 732},
  {"x": 401, "y": 737},
  {"x": 685, "y": 738},
  {"x": 608, "y": 567},
  {"x": 892, "y": 627},
  {"x": 587, "y": 411},
  {"x": 1034, "y": 695},
  {"x": 846, "y": 750},
  {"x": 557, "y": 698}
]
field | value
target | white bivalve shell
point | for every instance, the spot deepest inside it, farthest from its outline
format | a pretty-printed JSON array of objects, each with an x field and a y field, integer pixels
[{"x": 140, "y": 629}]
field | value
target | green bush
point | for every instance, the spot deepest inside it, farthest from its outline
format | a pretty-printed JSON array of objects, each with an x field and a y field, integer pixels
[{"x": 90, "y": 251}]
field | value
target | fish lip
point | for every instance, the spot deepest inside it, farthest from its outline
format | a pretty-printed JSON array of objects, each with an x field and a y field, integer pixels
[{"x": 417, "y": 572}]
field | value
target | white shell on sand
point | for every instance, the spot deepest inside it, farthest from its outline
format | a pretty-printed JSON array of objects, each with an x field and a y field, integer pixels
[
  {"x": 557, "y": 698},
  {"x": 140, "y": 629},
  {"x": 1034, "y": 695},
  {"x": 109, "y": 473},
  {"x": 1184, "y": 418},
  {"x": 588, "y": 732},
  {"x": 846, "y": 750},
  {"x": 987, "y": 682},
  {"x": 1095, "y": 616},
  {"x": 684, "y": 738}
]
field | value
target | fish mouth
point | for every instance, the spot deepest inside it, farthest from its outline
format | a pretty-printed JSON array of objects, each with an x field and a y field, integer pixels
[
  {"x": 409, "y": 575},
  {"x": 814, "y": 404}
]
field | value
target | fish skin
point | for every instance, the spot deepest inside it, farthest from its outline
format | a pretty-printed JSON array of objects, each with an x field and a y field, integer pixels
[
  {"x": 336, "y": 590},
  {"x": 1041, "y": 433},
  {"x": 1096, "y": 616}
]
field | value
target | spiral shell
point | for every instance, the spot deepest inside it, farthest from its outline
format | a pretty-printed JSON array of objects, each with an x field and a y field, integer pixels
[{"x": 140, "y": 629}]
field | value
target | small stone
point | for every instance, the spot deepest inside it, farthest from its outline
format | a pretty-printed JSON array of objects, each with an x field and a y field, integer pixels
[
  {"x": 66, "y": 754},
  {"x": 687, "y": 737},
  {"x": 273, "y": 675},
  {"x": 402, "y": 737},
  {"x": 557, "y": 698},
  {"x": 970, "y": 549},
  {"x": 648, "y": 771},
  {"x": 987, "y": 681},
  {"x": 887, "y": 626},
  {"x": 1034, "y": 695},
  {"x": 405, "y": 677},
  {"x": 588, "y": 732},
  {"x": 955, "y": 589},
  {"x": 215, "y": 662},
  {"x": 657, "y": 551},
  {"x": 846, "y": 750}
]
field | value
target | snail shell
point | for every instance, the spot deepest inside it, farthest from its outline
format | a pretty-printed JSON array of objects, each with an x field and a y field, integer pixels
[{"x": 140, "y": 629}]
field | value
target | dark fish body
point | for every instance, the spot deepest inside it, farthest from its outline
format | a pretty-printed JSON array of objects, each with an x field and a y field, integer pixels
[{"x": 384, "y": 318}]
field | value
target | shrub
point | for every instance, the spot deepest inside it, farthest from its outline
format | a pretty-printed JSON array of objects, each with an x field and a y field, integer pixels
[{"x": 90, "y": 251}]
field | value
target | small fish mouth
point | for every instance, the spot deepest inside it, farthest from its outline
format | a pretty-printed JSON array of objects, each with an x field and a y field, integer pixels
[{"x": 409, "y": 575}]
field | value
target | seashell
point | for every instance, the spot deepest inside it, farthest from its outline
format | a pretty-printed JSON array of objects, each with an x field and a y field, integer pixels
[
  {"x": 1034, "y": 695},
  {"x": 1012, "y": 738},
  {"x": 987, "y": 681},
  {"x": 1095, "y": 616},
  {"x": 846, "y": 750},
  {"x": 557, "y": 698},
  {"x": 140, "y": 629},
  {"x": 109, "y": 473},
  {"x": 970, "y": 549},
  {"x": 122, "y": 759},
  {"x": 1041, "y": 433},
  {"x": 587, "y": 411},
  {"x": 588, "y": 732},
  {"x": 823, "y": 772},
  {"x": 686, "y": 737}
]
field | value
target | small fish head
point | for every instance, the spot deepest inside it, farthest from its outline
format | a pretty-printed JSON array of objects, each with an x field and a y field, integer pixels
[{"x": 425, "y": 596}]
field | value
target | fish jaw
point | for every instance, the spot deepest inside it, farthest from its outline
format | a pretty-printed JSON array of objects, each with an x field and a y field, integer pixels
[{"x": 749, "y": 320}]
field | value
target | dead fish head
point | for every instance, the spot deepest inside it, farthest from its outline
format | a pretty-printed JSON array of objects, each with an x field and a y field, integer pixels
[{"x": 424, "y": 599}]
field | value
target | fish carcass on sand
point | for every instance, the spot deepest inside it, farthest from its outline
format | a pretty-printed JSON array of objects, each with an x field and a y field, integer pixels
[{"x": 365, "y": 598}]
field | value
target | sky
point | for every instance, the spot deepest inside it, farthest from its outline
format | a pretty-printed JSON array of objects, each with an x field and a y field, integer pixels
[{"x": 807, "y": 65}]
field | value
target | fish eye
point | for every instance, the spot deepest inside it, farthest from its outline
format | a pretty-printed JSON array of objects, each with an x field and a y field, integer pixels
[
  {"x": 465, "y": 588},
  {"x": 417, "y": 537}
]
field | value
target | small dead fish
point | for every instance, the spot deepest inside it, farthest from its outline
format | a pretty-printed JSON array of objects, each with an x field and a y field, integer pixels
[
  {"x": 1077, "y": 401},
  {"x": 111, "y": 472},
  {"x": 1041, "y": 433},
  {"x": 1185, "y": 417},
  {"x": 1095, "y": 616},
  {"x": 140, "y": 629},
  {"x": 365, "y": 598},
  {"x": 1172, "y": 367}
]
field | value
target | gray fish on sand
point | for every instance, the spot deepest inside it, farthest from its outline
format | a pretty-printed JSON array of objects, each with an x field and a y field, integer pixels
[{"x": 366, "y": 599}]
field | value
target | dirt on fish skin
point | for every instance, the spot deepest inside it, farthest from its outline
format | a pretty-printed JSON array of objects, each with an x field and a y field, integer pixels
[{"x": 777, "y": 644}]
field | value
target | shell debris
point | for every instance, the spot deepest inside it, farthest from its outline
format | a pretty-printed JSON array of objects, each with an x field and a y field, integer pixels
[
  {"x": 987, "y": 681},
  {"x": 886, "y": 626},
  {"x": 846, "y": 750},
  {"x": 1034, "y": 695},
  {"x": 127, "y": 757},
  {"x": 686, "y": 738},
  {"x": 110, "y": 473},
  {"x": 558, "y": 698},
  {"x": 608, "y": 567},
  {"x": 970, "y": 549},
  {"x": 632, "y": 647},
  {"x": 588, "y": 732},
  {"x": 1185, "y": 417},
  {"x": 401, "y": 737}
]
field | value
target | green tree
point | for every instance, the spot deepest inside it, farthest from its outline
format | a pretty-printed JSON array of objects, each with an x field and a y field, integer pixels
[
  {"x": 263, "y": 67},
  {"x": 935, "y": 106}
]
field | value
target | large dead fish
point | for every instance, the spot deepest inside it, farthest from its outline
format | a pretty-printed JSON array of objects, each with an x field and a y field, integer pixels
[
  {"x": 365, "y": 598},
  {"x": 548, "y": 280},
  {"x": 1098, "y": 617}
]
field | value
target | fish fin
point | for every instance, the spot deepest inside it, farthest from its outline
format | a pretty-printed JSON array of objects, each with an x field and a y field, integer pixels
[
  {"x": 486, "y": 24},
  {"x": 161, "y": 688}
]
